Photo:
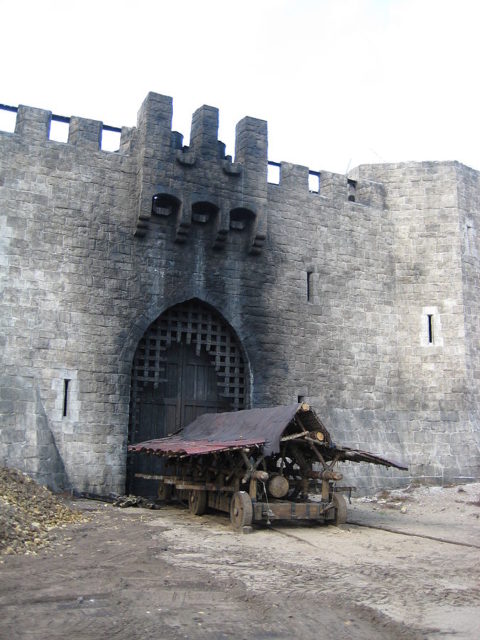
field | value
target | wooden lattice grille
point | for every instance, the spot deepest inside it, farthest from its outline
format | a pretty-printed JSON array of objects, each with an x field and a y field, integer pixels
[{"x": 196, "y": 324}]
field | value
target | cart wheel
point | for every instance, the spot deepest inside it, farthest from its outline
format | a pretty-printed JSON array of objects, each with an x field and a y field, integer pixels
[
  {"x": 241, "y": 510},
  {"x": 197, "y": 502},
  {"x": 164, "y": 492},
  {"x": 340, "y": 508}
]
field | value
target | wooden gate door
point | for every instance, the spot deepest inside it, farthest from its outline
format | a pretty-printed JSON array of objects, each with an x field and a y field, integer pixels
[
  {"x": 188, "y": 390},
  {"x": 189, "y": 362}
]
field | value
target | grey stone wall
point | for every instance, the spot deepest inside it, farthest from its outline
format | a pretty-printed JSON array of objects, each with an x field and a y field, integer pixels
[
  {"x": 468, "y": 193},
  {"x": 328, "y": 292},
  {"x": 433, "y": 398}
]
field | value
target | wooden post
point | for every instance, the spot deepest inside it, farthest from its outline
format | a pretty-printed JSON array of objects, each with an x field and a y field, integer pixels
[
  {"x": 253, "y": 489},
  {"x": 325, "y": 490}
]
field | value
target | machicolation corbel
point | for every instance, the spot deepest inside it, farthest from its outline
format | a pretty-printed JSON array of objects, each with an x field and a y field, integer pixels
[
  {"x": 231, "y": 168},
  {"x": 186, "y": 157},
  {"x": 184, "y": 220}
]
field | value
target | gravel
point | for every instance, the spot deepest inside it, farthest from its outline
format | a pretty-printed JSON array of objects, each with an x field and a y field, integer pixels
[{"x": 30, "y": 513}]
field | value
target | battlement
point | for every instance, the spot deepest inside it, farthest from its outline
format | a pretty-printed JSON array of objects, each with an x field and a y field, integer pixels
[
  {"x": 199, "y": 181},
  {"x": 35, "y": 125},
  {"x": 153, "y": 137},
  {"x": 301, "y": 182}
]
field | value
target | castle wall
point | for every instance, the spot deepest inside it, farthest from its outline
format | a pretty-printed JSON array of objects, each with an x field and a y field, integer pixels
[
  {"x": 65, "y": 216},
  {"x": 468, "y": 193},
  {"x": 431, "y": 400},
  {"x": 328, "y": 292}
]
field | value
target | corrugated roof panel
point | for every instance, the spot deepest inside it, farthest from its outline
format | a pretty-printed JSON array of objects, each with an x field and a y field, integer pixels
[{"x": 177, "y": 446}]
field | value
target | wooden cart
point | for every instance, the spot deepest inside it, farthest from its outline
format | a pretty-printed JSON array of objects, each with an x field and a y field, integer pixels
[{"x": 259, "y": 465}]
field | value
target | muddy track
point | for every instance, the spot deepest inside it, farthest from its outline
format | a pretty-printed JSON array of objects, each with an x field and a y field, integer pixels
[
  {"x": 408, "y": 579},
  {"x": 414, "y": 535},
  {"x": 132, "y": 573}
]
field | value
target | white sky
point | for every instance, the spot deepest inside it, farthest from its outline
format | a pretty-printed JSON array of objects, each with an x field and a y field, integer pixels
[{"x": 341, "y": 82}]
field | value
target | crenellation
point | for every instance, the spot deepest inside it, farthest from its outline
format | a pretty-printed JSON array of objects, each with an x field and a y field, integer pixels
[
  {"x": 177, "y": 140},
  {"x": 204, "y": 133},
  {"x": 334, "y": 186},
  {"x": 294, "y": 177},
  {"x": 127, "y": 140},
  {"x": 33, "y": 124},
  {"x": 221, "y": 151},
  {"x": 328, "y": 186},
  {"x": 85, "y": 133},
  {"x": 251, "y": 143},
  {"x": 154, "y": 122}
]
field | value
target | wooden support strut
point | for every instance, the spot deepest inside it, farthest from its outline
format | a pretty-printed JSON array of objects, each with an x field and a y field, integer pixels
[
  {"x": 252, "y": 471},
  {"x": 316, "y": 436},
  {"x": 312, "y": 444},
  {"x": 326, "y": 469},
  {"x": 294, "y": 436},
  {"x": 302, "y": 463},
  {"x": 235, "y": 469}
]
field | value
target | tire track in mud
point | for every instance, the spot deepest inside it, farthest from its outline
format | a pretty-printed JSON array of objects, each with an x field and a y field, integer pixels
[
  {"x": 393, "y": 575},
  {"x": 398, "y": 576},
  {"x": 413, "y": 535},
  {"x": 307, "y": 595}
]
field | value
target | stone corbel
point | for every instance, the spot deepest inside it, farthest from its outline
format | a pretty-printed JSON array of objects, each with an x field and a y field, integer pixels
[
  {"x": 184, "y": 220},
  {"x": 231, "y": 168},
  {"x": 186, "y": 157}
]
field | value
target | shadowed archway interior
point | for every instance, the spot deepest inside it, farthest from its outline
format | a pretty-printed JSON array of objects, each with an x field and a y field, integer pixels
[{"x": 188, "y": 362}]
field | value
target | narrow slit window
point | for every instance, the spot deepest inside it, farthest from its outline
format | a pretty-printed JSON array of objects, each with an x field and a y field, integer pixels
[
  {"x": 469, "y": 240},
  {"x": 352, "y": 188},
  {"x": 66, "y": 384},
  {"x": 430, "y": 328},
  {"x": 309, "y": 285}
]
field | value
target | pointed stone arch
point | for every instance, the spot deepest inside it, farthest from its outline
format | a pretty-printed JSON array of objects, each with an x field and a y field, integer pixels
[{"x": 188, "y": 362}]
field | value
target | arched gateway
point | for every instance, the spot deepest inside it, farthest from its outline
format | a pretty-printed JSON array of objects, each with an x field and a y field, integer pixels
[{"x": 188, "y": 362}]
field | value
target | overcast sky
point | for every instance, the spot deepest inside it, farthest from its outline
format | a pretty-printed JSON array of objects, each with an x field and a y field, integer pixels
[{"x": 340, "y": 82}]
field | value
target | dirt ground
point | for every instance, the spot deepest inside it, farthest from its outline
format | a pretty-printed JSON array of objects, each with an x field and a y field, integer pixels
[{"x": 406, "y": 565}]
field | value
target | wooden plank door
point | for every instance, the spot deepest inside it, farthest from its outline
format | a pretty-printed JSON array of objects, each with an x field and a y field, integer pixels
[{"x": 188, "y": 389}]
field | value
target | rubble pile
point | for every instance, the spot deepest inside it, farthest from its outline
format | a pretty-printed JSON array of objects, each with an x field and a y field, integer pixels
[{"x": 29, "y": 513}]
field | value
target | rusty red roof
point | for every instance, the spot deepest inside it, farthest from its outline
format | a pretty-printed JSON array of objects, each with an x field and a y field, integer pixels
[{"x": 173, "y": 445}]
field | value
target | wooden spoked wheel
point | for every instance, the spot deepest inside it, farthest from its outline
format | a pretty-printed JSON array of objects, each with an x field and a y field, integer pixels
[
  {"x": 197, "y": 502},
  {"x": 241, "y": 510},
  {"x": 164, "y": 492},
  {"x": 340, "y": 508}
]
